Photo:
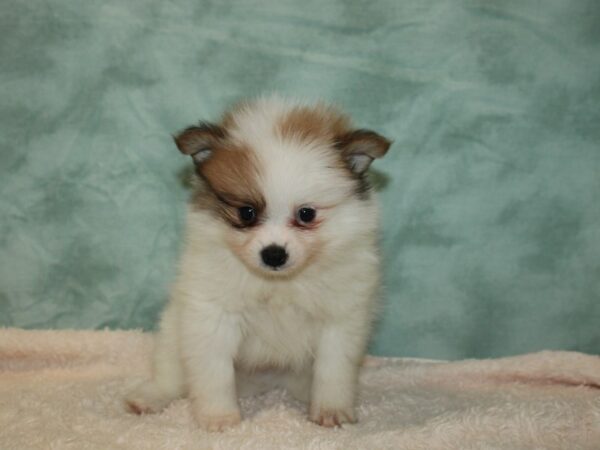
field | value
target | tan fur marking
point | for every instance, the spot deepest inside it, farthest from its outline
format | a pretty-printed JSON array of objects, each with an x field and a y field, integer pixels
[
  {"x": 197, "y": 138},
  {"x": 326, "y": 124},
  {"x": 320, "y": 122},
  {"x": 232, "y": 177}
]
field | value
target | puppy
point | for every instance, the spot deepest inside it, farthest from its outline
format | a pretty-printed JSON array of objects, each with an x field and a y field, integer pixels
[{"x": 277, "y": 283}]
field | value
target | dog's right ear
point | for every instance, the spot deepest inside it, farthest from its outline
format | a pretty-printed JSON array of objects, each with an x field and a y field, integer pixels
[{"x": 199, "y": 141}]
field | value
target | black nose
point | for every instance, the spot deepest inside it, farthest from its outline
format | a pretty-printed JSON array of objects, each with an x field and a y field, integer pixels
[{"x": 274, "y": 256}]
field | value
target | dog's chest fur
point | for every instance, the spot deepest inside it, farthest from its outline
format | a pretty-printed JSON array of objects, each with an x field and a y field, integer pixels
[{"x": 277, "y": 335}]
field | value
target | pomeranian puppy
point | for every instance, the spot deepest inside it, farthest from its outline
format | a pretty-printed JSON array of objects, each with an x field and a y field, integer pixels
[{"x": 278, "y": 280}]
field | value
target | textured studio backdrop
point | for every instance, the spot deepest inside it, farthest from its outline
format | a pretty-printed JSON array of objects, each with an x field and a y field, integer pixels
[{"x": 490, "y": 195}]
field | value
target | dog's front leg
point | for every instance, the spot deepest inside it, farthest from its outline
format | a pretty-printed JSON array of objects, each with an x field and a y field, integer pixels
[
  {"x": 210, "y": 339},
  {"x": 335, "y": 375}
]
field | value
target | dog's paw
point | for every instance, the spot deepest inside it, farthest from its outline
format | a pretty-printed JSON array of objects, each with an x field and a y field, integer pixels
[
  {"x": 146, "y": 399},
  {"x": 221, "y": 422},
  {"x": 330, "y": 418}
]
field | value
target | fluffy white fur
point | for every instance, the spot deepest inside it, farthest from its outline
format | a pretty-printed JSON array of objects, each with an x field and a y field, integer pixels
[{"x": 234, "y": 327}]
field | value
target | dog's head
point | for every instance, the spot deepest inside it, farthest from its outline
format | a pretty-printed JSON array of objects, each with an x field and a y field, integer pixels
[{"x": 284, "y": 180}]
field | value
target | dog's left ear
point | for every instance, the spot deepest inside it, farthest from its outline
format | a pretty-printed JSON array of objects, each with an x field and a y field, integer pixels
[
  {"x": 361, "y": 147},
  {"x": 199, "y": 141}
]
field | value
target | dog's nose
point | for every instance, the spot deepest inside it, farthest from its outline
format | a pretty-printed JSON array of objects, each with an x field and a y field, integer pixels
[{"x": 274, "y": 256}]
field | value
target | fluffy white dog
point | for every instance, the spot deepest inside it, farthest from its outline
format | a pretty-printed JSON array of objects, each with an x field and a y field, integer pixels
[{"x": 278, "y": 281}]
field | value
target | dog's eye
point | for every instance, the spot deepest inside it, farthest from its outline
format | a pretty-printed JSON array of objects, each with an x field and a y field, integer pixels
[
  {"x": 305, "y": 215},
  {"x": 247, "y": 215}
]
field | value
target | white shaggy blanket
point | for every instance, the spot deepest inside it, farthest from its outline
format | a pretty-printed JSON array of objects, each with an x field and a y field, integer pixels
[{"x": 64, "y": 390}]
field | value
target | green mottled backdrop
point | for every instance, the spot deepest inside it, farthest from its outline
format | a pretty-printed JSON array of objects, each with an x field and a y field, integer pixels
[{"x": 490, "y": 195}]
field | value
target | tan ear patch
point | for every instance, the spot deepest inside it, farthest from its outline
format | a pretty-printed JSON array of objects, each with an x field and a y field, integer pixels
[
  {"x": 361, "y": 147},
  {"x": 196, "y": 138},
  {"x": 200, "y": 141}
]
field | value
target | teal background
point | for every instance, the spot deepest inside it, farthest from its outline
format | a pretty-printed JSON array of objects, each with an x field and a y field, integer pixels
[{"x": 490, "y": 194}]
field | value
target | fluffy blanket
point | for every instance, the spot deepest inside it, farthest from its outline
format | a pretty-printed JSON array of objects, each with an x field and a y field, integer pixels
[{"x": 64, "y": 389}]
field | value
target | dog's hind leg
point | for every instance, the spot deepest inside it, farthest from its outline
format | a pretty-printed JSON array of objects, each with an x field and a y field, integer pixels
[{"x": 167, "y": 383}]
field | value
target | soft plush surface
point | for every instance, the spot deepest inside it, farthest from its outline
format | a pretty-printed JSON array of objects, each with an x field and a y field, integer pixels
[
  {"x": 64, "y": 389},
  {"x": 491, "y": 229}
]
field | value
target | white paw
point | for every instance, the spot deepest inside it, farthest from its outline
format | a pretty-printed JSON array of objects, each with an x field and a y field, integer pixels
[
  {"x": 218, "y": 422},
  {"x": 332, "y": 417},
  {"x": 147, "y": 398}
]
